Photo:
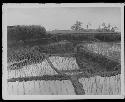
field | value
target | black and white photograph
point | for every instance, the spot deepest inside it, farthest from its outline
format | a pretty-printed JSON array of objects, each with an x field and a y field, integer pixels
[{"x": 62, "y": 51}]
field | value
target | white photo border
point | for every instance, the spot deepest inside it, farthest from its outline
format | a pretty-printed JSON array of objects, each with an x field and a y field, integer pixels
[{"x": 5, "y": 96}]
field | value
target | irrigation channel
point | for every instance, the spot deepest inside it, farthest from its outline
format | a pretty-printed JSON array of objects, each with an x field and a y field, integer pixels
[{"x": 76, "y": 76}]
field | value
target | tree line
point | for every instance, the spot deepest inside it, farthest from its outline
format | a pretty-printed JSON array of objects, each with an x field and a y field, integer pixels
[
  {"x": 102, "y": 28},
  {"x": 23, "y": 32}
]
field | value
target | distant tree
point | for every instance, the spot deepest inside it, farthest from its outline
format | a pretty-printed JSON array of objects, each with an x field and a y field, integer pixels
[
  {"x": 87, "y": 26},
  {"x": 103, "y": 24},
  {"x": 77, "y": 26},
  {"x": 106, "y": 28},
  {"x": 109, "y": 27},
  {"x": 113, "y": 29},
  {"x": 99, "y": 29},
  {"x": 22, "y": 32}
]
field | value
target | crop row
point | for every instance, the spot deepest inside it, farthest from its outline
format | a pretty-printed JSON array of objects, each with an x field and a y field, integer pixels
[
  {"x": 64, "y": 63},
  {"x": 92, "y": 86},
  {"x": 62, "y": 47},
  {"x": 22, "y": 53},
  {"x": 43, "y": 68},
  {"x": 107, "y": 49},
  {"x": 19, "y": 54}
]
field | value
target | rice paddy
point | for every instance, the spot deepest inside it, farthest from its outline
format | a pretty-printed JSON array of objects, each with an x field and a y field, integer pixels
[{"x": 96, "y": 85}]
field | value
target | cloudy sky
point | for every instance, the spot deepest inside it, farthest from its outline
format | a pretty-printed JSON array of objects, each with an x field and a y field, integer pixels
[{"x": 64, "y": 17}]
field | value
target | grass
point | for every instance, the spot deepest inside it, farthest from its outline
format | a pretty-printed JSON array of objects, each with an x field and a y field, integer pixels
[
  {"x": 30, "y": 55},
  {"x": 93, "y": 86},
  {"x": 29, "y": 73},
  {"x": 112, "y": 50},
  {"x": 40, "y": 72},
  {"x": 28, "y": 52},
  {"x": 94, "y": 57},
  {"x": 40, "y": 76},
  {"x": 16, "y": 55}
]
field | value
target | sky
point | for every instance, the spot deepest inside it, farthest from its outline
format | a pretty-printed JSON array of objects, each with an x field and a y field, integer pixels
[{"x": 63, "y": 18}]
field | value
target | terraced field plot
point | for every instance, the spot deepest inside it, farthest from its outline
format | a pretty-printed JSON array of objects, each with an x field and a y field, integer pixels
[
  {"x": 112, "y": 50},
  {"x": 92, "y": 86},
  {"x": 50, "y": 85}
]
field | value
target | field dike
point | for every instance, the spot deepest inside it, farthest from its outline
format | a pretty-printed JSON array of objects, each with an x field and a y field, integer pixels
[{"x": 96, "y": 85}]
